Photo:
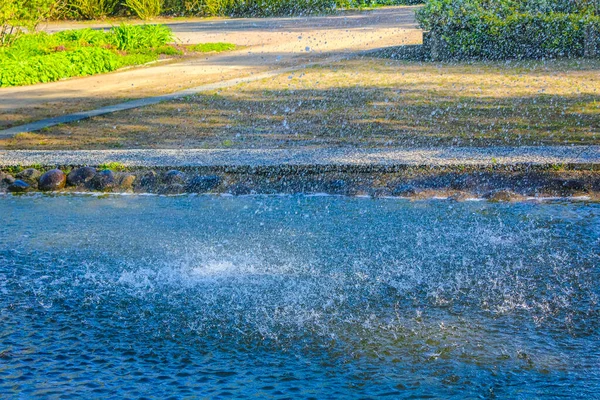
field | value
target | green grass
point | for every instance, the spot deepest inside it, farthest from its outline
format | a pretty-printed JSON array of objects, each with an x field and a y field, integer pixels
[
  {"x": 371, "y": 102},
  {"x": 113, "y": 166},
  {"x": 212, "y": 47},
  {"x": 41, "y": 57}
]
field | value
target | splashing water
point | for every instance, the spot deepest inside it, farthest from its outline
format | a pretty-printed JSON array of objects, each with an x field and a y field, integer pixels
[{"x": 297, "y": 296}]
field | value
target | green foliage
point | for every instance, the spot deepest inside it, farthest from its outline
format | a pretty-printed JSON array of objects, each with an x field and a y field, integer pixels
[
  {"x": 55, "y": 66},
  {"x": 210, "y": 47},
  {"x": 258, "y": 8},
  {"x": 133, "y": 37},
  {"x": 145, "y": 9},
  {"x": 501, "y": 29},
  {"x": 113, "y": 166},
  {"x": 18, "y": 16},
  {"x": 94, "y": 9},
  {"x": 41, "y": 57}
]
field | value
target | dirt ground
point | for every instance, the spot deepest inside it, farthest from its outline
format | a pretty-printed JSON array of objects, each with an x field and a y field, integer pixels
[
  {"x": 270, "y": 43},
  {"x": 368, "y": 102}
]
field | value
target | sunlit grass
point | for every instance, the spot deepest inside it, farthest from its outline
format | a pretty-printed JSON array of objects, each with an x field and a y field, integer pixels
[{"x": 369, "y": 102}]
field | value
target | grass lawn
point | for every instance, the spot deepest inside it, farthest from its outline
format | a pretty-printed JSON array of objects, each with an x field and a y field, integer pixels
[{"x": 371, "y": 102}]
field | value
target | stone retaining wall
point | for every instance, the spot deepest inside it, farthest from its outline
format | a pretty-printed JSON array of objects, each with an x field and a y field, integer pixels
[{"x": 500, "y": 182}]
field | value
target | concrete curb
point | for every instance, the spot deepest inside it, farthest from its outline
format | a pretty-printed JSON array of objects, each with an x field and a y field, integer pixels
[{"x": 578, "y": 157}]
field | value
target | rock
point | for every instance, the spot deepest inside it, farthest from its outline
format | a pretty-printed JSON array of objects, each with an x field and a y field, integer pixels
[
  {"x": 504, "y": 196},
  {"x": 6, "y": 178},
  {"x": 103, "y": 180},
  {"x": 174, "y": 176},
  {"x": 149, "y": 180},
  {"x": 80, "y": 176},
  {"x": 404, "y": 190},
  {"x": 126, "y": 181},
  {"x": 574, "y": 185},
  {"x": 239, "y": 189},
  {"x": 460, "y": 196},
  {"x": 29, "y": 175},
  {"x": 54, "y": 179},
  {"x": 175, "y": 188},
  {"x": 336, "y": 186},
  {"x": 19, "y": 186},
  {"x": 203, "y": 183}
]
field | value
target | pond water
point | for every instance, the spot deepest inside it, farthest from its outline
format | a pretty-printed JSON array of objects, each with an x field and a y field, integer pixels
[{"x": 297, "y": 297}]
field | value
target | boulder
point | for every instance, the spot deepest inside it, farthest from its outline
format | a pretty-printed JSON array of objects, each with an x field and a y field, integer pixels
[
  {"x": 81, "y": 176},
  {"x": 29, "y": 175},
  {"x": 175, "y": 188},
  {"x": 336, "y": 186},
  {"x": 504, "y": 196},
  {"x": 6, "y": 178},
  {"x": 104, "y": 180},
  {"x": 239, "y": 189},
  {"x": 203, "y": 183},
  {"x": 54, "y": 179},
  {"x": 174, "y": 176},
  {"x": 19, "y": 186},
  {"x": 148, "y": 181},
  {"x": 126, "y": 181},
  {"x": 404, "y": 190}
]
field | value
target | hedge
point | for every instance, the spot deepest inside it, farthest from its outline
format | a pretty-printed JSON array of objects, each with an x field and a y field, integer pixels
[{"x": 504, "y": 29}]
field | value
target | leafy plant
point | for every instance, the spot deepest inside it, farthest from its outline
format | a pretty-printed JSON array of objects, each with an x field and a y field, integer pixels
[
  {"x": 132, "y": 37},
  {"x": 145, "y": 9},
  {"x": 18, "y": 16},
  {"x": 94, "y": 9},
  {"x": 114, "y": 166},
  {"x": 40, "y": 57}
]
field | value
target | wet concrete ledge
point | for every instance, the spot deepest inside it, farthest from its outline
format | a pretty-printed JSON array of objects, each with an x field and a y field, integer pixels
[
  {"x": 496, "y": 173},
  {"x": 340, "y": 158}
]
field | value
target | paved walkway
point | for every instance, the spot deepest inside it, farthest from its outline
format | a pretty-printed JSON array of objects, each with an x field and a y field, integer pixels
[
  {"x": 449, "y": 156},
  {"x": 274, "y": 43}
]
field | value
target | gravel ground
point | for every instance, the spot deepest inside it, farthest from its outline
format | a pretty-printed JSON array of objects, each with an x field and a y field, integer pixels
[{"x": 451, "y": 156}]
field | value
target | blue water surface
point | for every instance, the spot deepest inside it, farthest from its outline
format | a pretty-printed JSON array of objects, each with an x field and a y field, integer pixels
[{"x": 297, "y": 297}]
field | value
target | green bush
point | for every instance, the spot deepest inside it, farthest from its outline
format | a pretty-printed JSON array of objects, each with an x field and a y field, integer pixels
[
  {"x": 94, "y": 9},
  {"x": 258, "y": 8},
  {"x": 18, "y": 16},
  {"x": 501, "y": 29},
  {"x": 145, "y": 9}
]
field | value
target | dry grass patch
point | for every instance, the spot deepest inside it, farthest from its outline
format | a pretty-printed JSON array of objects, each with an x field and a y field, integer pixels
[{"x": 369, "y": 102}]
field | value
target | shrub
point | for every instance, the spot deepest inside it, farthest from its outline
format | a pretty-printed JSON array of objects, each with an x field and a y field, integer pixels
[
  {"x": 145, "y": 9},
  {"x": 94, "y": 9},
  {"x": 268, "y": 7},
  {"x": 17, "y": 16},
  {"x": 501, "y": 29}
]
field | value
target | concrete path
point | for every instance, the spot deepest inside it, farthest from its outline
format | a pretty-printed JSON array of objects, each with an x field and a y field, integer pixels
[
  {"x": 274, "y": 43},
  {"x": 584, "y": 156}
]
